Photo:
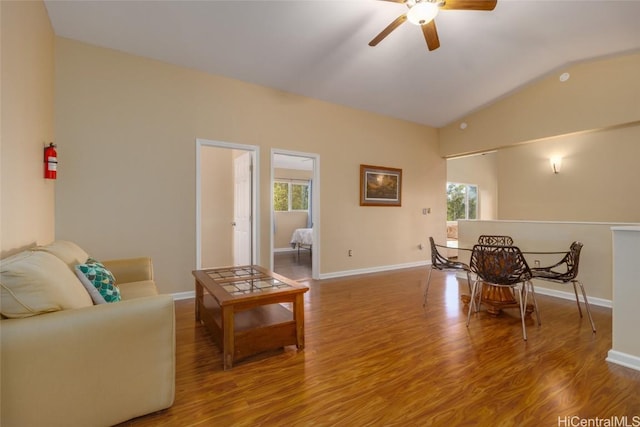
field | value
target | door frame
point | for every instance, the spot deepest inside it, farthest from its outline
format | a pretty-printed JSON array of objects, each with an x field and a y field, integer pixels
[
  {"x": 255, "y": 212},
  {"x": 315, "y": 208}
]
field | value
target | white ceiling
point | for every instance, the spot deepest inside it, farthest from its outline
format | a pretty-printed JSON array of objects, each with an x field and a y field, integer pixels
[{"x": 318, "y": 48}]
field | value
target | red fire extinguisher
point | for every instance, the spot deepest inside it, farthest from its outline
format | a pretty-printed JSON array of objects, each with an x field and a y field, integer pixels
[{"x": 50, "y": 161}]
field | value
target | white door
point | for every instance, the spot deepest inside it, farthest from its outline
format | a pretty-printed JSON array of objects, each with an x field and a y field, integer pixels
[{"x": 242, "y": 231}]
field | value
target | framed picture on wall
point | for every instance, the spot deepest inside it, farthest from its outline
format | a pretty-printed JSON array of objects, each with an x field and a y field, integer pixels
[{"x": 380, "y": 186}]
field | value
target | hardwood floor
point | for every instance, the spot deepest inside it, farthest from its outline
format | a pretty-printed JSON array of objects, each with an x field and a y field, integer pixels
[
  {"x": 375, "y": 357},
  {"x": 290, "y": 265}
]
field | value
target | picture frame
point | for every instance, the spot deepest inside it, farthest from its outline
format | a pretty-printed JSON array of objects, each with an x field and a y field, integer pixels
[{"x": 380, "y": 186}]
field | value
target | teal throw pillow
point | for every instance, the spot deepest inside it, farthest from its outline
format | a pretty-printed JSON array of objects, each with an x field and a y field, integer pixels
[{"x": 101, "y": 278}]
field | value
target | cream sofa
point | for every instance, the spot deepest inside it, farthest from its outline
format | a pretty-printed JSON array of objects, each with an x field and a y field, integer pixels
[{"x": 68, "y": 362}]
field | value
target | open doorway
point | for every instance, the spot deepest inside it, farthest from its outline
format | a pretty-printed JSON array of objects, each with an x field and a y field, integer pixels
[
  {"x": 226, "y": 193},
  {"x": 295, "y": 214}
]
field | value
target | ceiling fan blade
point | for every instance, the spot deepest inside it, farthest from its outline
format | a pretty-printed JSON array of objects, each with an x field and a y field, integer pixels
[
  {"x": 384, "y": 33},
  {"x": 396, "y": 1},
  {"x": 469, "y": 5},
  {"x": 431, "y": 35}
]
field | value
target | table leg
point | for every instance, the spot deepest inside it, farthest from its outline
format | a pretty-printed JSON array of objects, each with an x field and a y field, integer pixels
[
  {"x": 298, "y": 317},
  {"x": 495, "y": 298},
  {"x": 228, "y": 337},
  {"x": 199, "y": 295}
]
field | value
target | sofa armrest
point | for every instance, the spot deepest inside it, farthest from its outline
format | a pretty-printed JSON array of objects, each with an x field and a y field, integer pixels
[
  {"x": 98, "y": 365},
  {"x": 130, "y": 269}
]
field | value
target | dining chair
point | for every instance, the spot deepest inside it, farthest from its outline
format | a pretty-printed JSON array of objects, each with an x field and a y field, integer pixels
[
  {"x": 486, "y": 239},
  {"x": 442, "y": 263},
  {"x": 502, "y": 266},
  {"x": 565, "y": 271}
]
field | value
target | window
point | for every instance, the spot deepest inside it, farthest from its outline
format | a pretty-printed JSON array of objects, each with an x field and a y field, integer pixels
[
  {"x": 462, "y": 201},
  {"x": 290, "y": 196}
]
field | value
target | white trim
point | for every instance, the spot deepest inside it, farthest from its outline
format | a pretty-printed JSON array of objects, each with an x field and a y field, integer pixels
[
  {"x": 516, "y": 221},
  {"x": 278, "y": 250},
  {"x": 623, "y": 359},
  {"x": 315, "y": 206},
  {"x": 543, "y": 291},
  {"x": 373, "y": 270},
  {"x": 571, "y": 296},
  {"x": 628, "y": 228},
  {"x": 601, "y": 302},
  {"x": 256, "y": 190},
  {"x": 183, "y": 295}
]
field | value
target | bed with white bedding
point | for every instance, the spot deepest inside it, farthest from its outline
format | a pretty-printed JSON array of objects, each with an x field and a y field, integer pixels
[{"x": 302, "y": 238}]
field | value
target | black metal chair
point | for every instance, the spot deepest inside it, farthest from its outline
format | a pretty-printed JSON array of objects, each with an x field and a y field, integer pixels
[
  {"x": 502, "y": 266},
  {"x": 486, "y": 239},
  {"x": 442, "y": 263},
  {"x": 565, "y": 271}
]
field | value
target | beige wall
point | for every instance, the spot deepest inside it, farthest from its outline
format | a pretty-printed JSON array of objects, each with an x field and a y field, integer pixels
[
  {"x": 216, "y": 216},
  {"x": 592, "y": 121},
  {"x": 481, "y": 170},
  {"x": 26, "y": 198},
  {"x": 599, "y": 94},
  {"x": 596, "y": 259},
  {"x": 599, "y": 179},
  {"x": 129, "y": 126},
  {"x": 285, "y": 224},
  {"x": 608, "y": 271}
]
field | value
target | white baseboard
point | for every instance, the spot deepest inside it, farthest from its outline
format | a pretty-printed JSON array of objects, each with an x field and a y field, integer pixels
[
  {"x": 192, "y": 294},
  {"x": 539, "y": 290},
  {"x": 562, "y": 294},
  {"x": 289, "y": 249},
  {"x": 571, "y": 296},
  {"x": 372, "y": 270},
  {"x": 183, "y": 295},
  {"x": 623, "y": 359}
]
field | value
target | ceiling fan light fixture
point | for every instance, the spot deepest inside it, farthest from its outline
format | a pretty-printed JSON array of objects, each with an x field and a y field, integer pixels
[{"x": 422, "y": 13}]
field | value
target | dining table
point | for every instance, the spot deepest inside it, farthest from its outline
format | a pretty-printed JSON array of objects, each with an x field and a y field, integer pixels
[{"x": 496, "y": 298}]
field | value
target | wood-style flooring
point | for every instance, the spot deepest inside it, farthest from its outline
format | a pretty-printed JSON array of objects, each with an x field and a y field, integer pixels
[
  {"x": 375, "y": 357},
  {"x": 293, "y": 265}
]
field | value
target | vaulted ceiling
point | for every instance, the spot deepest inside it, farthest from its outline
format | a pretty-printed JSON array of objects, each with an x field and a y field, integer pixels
[{"x": 319, "y": 48}]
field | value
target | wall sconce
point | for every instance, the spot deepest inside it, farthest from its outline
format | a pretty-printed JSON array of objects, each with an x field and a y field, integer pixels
[{"x": 556, "y": 164}]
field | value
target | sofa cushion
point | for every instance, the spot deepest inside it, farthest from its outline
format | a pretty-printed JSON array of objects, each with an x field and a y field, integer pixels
[
  {"x": 36, "y": 282},
  {"x": 68, "y": 252},
  {"x": 101, "y": 278}
]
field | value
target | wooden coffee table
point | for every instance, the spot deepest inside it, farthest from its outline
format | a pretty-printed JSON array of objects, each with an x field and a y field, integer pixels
[{"x": 242, "y": 308}]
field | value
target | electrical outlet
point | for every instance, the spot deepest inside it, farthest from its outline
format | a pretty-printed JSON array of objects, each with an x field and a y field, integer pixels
[
  {"x": 420, "y": 246},
  {"x": 350, "y": 252}
]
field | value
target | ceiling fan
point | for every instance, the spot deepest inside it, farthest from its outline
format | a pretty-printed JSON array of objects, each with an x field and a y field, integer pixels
[{"x": 423, "y": 13}]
